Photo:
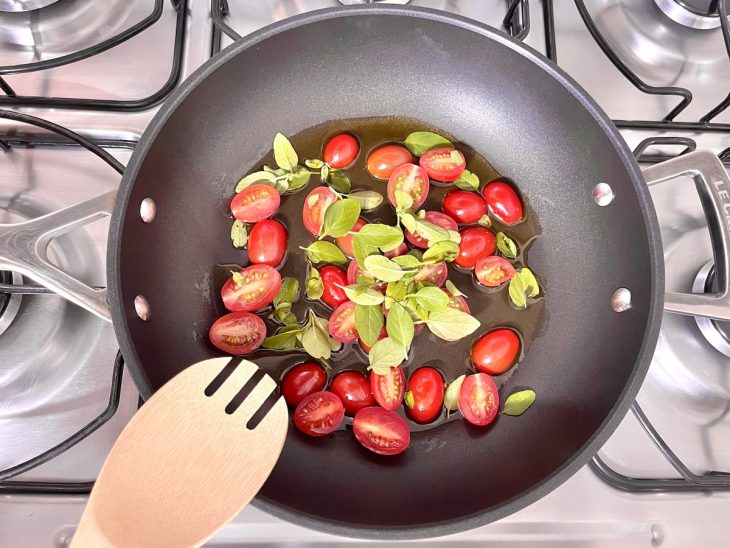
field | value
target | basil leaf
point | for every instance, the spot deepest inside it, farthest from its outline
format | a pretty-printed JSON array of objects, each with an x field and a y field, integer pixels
[
  {"x": 519, "y": 402},
  {"x": 385, "y": 353},
  {"x": 383, "y": 268},
  {"x": 420, "y": 142},
  {"x": 445, "y": 250},
  {"x": 285, "y": 339},
  {"x": 316, "y": 339},
  {"x": 314, "y": 285},
  {"x": 397, "y": 290},
  {"x": 340, "y": 181},
  {"x": 369, "y": 199},
  {"x": 433, "y": 299},
  {"x": 369, "y": 322},
  {"x": 400, "y": 327},
  {"x": 522, "y": 286},
  {"x": 365, "y": 281},
  {"x": 385, "y": 237},
  {"x": 408, "y": 220},
  {"x": 454, "y": 236},
  {"x": 430, "y": 231},
  {"x": 239, "y": 234},
  {"x": 324, "y": 173},
  {"x": 322, "y": 325},
  {"x": 255, "y": 177},
  {"x": 403, "y": 200},
  {"x": 485, "y": 221},
  {"x": 284, "y": 315},
  {"x": 506, "y": 245},
  {"x": 407, "y": 262},
  {"x": 467, "y": 181},
  {"x": 452, "y": 324},
  {"x": 455, "y": 291},
  {"x": 287, "y": 292},
  {"x": 284, "y": 153},
  {"x": 298, "y": 178},
  {"x": 340, "y": 217},
  {"x": 361, "y": 250},
  {"x": 451, "y": 396},
  {"x": 531, "y": 285},
  {"x": 314, "y": 163},
  {"x": 325, "y": 252},
  {"x": 364, "y": 296}
]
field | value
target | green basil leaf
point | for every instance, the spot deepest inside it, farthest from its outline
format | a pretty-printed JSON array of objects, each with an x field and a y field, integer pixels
[
  {"x": 365, "y": 296},
  {"x": 531, "y": 285},
  {"x": 430, "y": 231},
  {"x": 322, "y": 325},
  {"x": 340, "y": 181},
  {"x": 451, "y": 396},
  {"x": 522, "y": 286},
  {"x": 433, "y": 299},
  {"x": 385, "y": 353},
  {"x": 365, "y": 281},
  {"x": 264, "y": 177},
  {"x": 314, "y": 286},
  {"x": 361, "y": 251},
  {"x": 397, "y": 290},
  {"x": 383, "y": 268},
  {"x": 506, "y": 245},
  {"x": 400, "y": 327},
  {"x": 284, "y": 153},
  {"x": 369, "y": 199},
  {"x": 340, "y": 217},
  {"x": 403, "y": 200},
  {"x": 519, "y": 402},
  {"x": 314, "y": 163},
  {"x": 298, "y": 178},
  {"x": 445, "y": 250},
  {"x": 285, "y": 339},
  {"x": 407, "y": 262},
  {"x": 287, "y": 292},
  {"x": 454, "y": 236},
  {"x": 485, "y": 221},
  {"x": 239, "y": 234},
  {"x": 420, "y": 142},
  {"x": 385, "y": 237},
  {"x": 455, "y": 291},
  {"x": 325, "y": 252},
  {"x": 369, "y": 322},
  {"x": 408, "y": 220},
  {"x": 467, "y": 181},
  {"x": 284, "y": 315},
  {"x": 315, "y": 343},
  {"x": 452, "y": 324}
]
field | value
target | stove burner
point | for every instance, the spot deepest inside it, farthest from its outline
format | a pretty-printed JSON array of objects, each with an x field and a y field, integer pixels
[
  {"x": 24, "y": 5},
  {"x": 716, "y": 332},
  {"x": 696, "y": 14},
  {"x": 9, "y": 304},
  {"x": 351, "y": 2}
]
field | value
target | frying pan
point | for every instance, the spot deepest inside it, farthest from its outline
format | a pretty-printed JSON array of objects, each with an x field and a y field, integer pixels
[{"x": 591, "y": 350}]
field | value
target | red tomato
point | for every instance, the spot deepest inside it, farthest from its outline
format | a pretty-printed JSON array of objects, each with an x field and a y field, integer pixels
[
  {"x": 425, "y": 396},
  {"x": 435, "y": 274},
  {"x": 402, "y": 249},
  {"x": 342, "y": 323},
  {"x": 254, "y": 289},
  {"x": 341, "y": 150},
  {"x": 443, "y": 164},
  {"x": 437, "y": 218},
  {"x": 354, "y": 271},
  {"x": 267, "y": 243},
  {"x": 238, "y": 333},
  {"x": 314, "y": 206},
  {"x": 411, "y": 179},
  {"x": 388, "y": 389},
  {"x": 476, "y": 243},
  {"x": 319, "y": 414},
  {"x": 333, "y": 277},
  {"x": 493, "y": 271},
  {"x": 479, "y": 399},
  {"x": 503, "y": 202},
  {"x": 255, "y": 203},
  {"x": 496, "y": 351},
  {"x": 458, "y": 302},
  {"x": 383, "y": 160},
  {"x": 302, "y": 380},
  {"x": 353, "y": 389},
  {"x": 464, "y": 207},
  {"x": 345, "y": 242},
  {"x": 365, "y": 347},
  {"x": 383, "y": 432}
]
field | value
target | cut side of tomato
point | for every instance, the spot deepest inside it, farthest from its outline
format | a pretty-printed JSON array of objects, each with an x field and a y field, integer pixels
[
  {"x": 382, "y": 432},
  {"x": 493, "y": 271},
  {"x": 238, "y": 333},
  {"x": 314, "y": 207},
  {"x": 443, "y": 164},
  {"x": 342, "y": 323},
  {"x": 319, "y": 414},
  {"x": 412, "y": 180},
  {"x": 479, "y": 399},
  {"x": 435, "y": 274},
  {"x": 388, "y": 389},
  {"x": 251, "y": 289},
  {"x": 457, "y": 302},
  {"x": 437, "y": 218},
  {"x": 255, "y": 203}
]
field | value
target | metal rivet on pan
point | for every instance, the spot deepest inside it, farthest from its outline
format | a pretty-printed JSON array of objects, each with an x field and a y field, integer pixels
[
  {"x": 621, "y": 300},
  {"x": 148, "y": 210},
  {"x": 142, "y": 307},
  {"x": 602, "y": 194}
]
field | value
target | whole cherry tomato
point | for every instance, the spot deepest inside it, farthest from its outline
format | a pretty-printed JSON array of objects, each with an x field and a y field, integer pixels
[
  {"x": 267, "y": 243},
  {"x": 341, "y": 150},
  {"x": 332, "y": 278},
  {"x": 353, "y": 389},
  {"x": 476, "y": 243},
  {"x": 464, "y": 207},
  {"x": 496, "y": 351},
  {"x": 503, "y": 202},
  {"x": 425, "y": 396},
  {"x": 302, "y": 380},
  {"x": 383, "y": 161}
]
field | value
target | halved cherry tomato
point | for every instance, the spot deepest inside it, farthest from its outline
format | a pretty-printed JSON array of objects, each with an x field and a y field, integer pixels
[
  {"x": 496, "y": 351},
  {"x": 411, "y": 179},
  {"x": 457, "y": 302},
  {"x": 383, "y": 161},
  {"x": 255, "y": 203},
  {"x": 383, "y": 432},
  {"x": 503, "y": 202},
  {"x": 443, "y": 164},
  {"x": 267, "y": 243},
  {"x": 425, "y": 396},
  {"x": 353, "y": 389},
  {"x": 314, "y": 206},
  {"x": 437, "y": 218},
  {"x": 366, "y": 347},
  {"x": 435, "y": 274},
  {"x": 238, "y": 333},
  {"x": 258, "y": 286},
  {"x": 388, "y": 389},
  {"x": 464, "y": 207},
  {"x": 332, "y": 278},
  {"x": 342, "y": 323},
  {"x": 341, "y": 150},
  {"x": 345, "y": 242},
  {"x": 476, "y": 243},
  {"x": 493, "y": 271},
  {"x": 479, "y": 399},
  {"x": 302, "y": 380},
  {"x": 354, "y": 272},
  {"x": 319, "y": 414},
  {"x": 402, "y": 249}
]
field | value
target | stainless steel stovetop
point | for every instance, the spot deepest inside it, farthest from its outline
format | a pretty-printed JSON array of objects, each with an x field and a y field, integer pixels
[{"x": 57, "y": 361}]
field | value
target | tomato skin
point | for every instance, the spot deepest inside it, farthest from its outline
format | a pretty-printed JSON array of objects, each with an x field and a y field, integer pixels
[
  {"x": 402, "y": 249},
  {"x": 332, "y": 277},
  {"x": 302, "y": 380},
  {"x": 496, "y": 351},
  {"x": 503, "y": 202},
  {"x": 365, "y": 347},
  {"x": 479, "y": 399},
  {"x": 476, "y": 243},
  {"x": 342, "y": 323},
  {"x": 412, "y": 180},
  {"x": 435, "y": 274},
  {"x": 382, "y": 432},
  {"x": 345, "y": 242},
  {"x": 354, "y": 271},
  {"x": 341, "y": 150},
  {"x": 388, "y": 389},
  {"x": 247, "y": 297},
  {"x": 267, "y": 243},
  {"x": 427, "y": 389},
  {"x": 464, "y": 207},
  {"x": 383, "y": 161},
  {"x": 255, "y": 203},
  {"x": 437, "y": 218},
  {"x": 237, "y": 333},
  {"x": 319, "y": 414},
  {"x": 313, "y": 209},
  {"x": 443, "y": 164},
  {"x": 493, "y": 271},
  {"x": 353, "y": 390}
]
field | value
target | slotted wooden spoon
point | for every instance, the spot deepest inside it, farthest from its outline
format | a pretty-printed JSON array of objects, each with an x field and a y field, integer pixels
[{"x": 186, "y": 463}]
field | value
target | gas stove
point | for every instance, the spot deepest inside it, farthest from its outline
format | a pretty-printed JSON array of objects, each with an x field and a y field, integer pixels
[{"x": 101, "y": 68}]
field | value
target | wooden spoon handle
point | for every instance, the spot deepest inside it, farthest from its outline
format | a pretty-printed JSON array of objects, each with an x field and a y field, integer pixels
[{"x": 88, "y": 534}]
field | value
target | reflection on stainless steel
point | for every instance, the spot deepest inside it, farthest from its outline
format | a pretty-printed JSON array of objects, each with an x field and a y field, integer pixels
[
  {"x": 696, "y": 14},
  {"x": 10, "y": 304},
  {"x": 351, "y": 2},
  {"x": 716, "y": 332},
  {"x": 24, "y": 5}
]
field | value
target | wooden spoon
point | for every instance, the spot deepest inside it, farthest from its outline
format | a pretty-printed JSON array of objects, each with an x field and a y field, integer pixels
[{"x": 186, "y": 463}]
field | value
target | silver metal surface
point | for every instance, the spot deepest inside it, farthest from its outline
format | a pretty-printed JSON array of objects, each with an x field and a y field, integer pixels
[
  {"x": 711, "y": 329},
  {"x": 24, "y": 5},
  {"x": 603, "y": 194},
  {"x": 677, "y": 11},
  {"x": 148, "y": 210},
  {"x": 12, "y": 306},
  {"x": 621, "y": 300}
]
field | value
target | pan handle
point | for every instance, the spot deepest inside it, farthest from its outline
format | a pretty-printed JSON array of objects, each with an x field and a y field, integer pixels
[
  {"x": 24, "y": 249},
  {"x": 713, "y": 186}
]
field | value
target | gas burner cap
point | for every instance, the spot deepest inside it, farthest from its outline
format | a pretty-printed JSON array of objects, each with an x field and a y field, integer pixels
[
  {"x": 716, "y": 332},
  {"x": 24, "y": 5},
  {"x": 695, "y": 14},
  {"x": 9, "y": 303}
]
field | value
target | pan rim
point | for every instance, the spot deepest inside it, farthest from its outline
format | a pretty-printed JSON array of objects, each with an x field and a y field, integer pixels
[{"x": 581, "y": 457}]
